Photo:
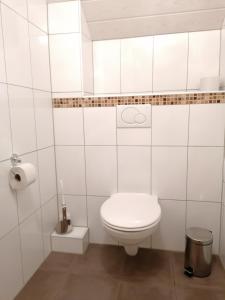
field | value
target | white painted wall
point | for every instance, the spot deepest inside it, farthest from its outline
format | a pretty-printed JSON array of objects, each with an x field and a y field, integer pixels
[{"x": 26, "y": 127}]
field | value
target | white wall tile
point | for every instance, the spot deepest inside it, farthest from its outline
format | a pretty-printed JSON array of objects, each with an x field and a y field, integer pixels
[
  {"x": 68, "y": 125},
  {"x": 17, "y": 52},
  {"x": 206, "y": 215},
  {"x": 203, "y": 59},
  {"x": 222, "y": 58},
  {"x": 170, "y": 62},
  {"x": 44, "y": 118},
  {"x": 49, "y": 219},
  {"x": 28, "y": 199},
  {"x": 169, "y": 171},
  {"x": 171, "y": 232},
  {"x": 170, "y": 125},
  {"x": 46, "y": 166},
  {"x": 39, "y": 59},
  {"x": 136, "y": 64},
  {"x": 134, "y": 136},
  {"x": 32, "y": 244},
  {"x": 77, "y": 208},
  {"x": 2, "y": 57},
  {"x": 11, "y": 268},
  {"x": 84, "y": 25},
  {"x": 22, "y": 119},
  {"x": 5, "y": 130},
  {"x": 134, "y": 169},
  {"x": 37, "y": 13},
  {"x": 67, "y": 95},
  {"x": 224, "y": 169},
  {"x": 64, "y": 17},
  {"x": 100, "y": 125},
  {"x": 20, "y": 6},
  {"x": 8, "y": 211},
  {"x": 222, "y": 237},
  {"x": 223, "y": 195},
  {"x": 101, "y": 170},
  {"x": 205, "y": 173},
  {"x": 97, "y": 233},
  {"x": 65, "y": 56},
  {"x": 71, "y": 169},
  {"x": 106, "y": 55},
  {"x": 207, "y": 123},
  {"x": 87, "y": 65}
]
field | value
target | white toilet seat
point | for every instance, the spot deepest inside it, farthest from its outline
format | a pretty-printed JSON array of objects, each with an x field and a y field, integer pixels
[
  {"x": 131, "y": 212},
  {"x": 130, "y": 229}
]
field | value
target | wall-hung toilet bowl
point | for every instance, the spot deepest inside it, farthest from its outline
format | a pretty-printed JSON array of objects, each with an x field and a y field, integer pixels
[{"x": 130, "y": 218}]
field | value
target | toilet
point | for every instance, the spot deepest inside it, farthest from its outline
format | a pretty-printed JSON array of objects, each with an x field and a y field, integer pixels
[{"x": 130, "y": 218}]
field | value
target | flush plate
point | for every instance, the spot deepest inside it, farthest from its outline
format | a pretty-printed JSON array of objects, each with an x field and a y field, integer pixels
[{"x": 134, "y": 116}]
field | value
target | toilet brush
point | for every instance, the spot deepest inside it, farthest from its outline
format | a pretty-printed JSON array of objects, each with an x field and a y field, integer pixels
[{"x": 64, "y": 226}]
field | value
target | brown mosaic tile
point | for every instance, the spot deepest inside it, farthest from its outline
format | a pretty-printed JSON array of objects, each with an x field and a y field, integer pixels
[{"x": 174, "y": 99}]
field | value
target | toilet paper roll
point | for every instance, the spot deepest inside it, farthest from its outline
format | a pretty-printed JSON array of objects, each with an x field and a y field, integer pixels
[
  {"x": 210, "y": 84},
  {"x": 22, "y": 176}
]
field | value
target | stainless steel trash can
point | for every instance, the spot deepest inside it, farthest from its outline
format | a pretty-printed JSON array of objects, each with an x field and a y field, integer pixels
[{"x": 198, "y": 252}]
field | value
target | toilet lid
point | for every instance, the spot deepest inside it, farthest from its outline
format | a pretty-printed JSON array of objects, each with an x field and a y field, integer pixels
[{"x": 131, "y": 211}]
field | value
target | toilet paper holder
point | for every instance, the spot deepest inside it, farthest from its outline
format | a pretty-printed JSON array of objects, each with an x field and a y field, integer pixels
[{"x": 15, "y": 160}]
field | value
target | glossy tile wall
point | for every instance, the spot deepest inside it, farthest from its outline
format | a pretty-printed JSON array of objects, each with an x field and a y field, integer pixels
[
  {"x": 26, "y": 128},
  {"x": 180, "y": 159},
  {"x": 222, "y": 237},
  {"x": 70, "y": 50},
  {"x": 173, "y": 62},
  {"x": 222, "y": 59}
]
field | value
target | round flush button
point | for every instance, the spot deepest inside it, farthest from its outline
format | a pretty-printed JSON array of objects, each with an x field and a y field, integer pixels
[{"x": 140, "y": 118}]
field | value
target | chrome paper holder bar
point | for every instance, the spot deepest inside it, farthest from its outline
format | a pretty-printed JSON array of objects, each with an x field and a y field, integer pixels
[{"x": 15, "y": 160}]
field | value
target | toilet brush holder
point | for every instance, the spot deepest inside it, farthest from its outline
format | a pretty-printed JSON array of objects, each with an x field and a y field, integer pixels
[{"x": 64, "y": 226}]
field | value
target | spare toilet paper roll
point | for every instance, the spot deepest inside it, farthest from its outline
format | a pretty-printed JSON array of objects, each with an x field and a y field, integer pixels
[
  {"x": 22, "y": 176},
  {"x": 210, "y": 84}
]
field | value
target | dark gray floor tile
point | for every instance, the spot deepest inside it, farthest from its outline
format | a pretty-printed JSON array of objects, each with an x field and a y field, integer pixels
[
  {"x": 189, "y": 293},
  {"x": 145, "y": 291},
  {"x": 101, "y": 260},
  {"x": 89, "y": 288},
  {"x": 215, "y": 280},
  {"x": 57, "y": 261},
  {"x": 150, "y": 265},
  {"x": 44, "y": 285}
]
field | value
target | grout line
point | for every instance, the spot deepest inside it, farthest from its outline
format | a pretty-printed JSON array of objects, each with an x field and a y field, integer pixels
[
  {"x": 157, "y": 15},
  {"x": 188, "y": 53},
  {"x": 27, "y": 217},
  {"x": 120, "y": 65},
  {"x": 221, "y": 207},
  {"x": 220, "y": 53},
  {"x": 161, "y": 199},
  {"x": 53, "y": 121},
  {"x": 117, "y": 153},
  {"x": 187, "y": 171},
  {"x": 85, "y": 165},
  {"x": 129, "y": 145},
  {"x": 151, "y": 163},
  {"x": 153, "y": 62},
  {"x": 24, "y": 18},
  {"x": 26, "y": 153},
  {"x": 26, "y": 87}
]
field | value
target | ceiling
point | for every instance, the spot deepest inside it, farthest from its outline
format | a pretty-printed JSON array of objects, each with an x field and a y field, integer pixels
[{"x": 110, "y": 19}]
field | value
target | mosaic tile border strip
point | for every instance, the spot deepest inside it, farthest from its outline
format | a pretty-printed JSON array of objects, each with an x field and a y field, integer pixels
[{"x": 172, "y": 99}]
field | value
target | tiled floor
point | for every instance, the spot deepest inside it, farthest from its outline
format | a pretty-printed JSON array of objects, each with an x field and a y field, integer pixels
[{"x": 107, "y": 273}]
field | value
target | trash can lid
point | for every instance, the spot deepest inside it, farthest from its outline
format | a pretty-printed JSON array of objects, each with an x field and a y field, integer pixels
[{"x": 200, "y": 235}]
